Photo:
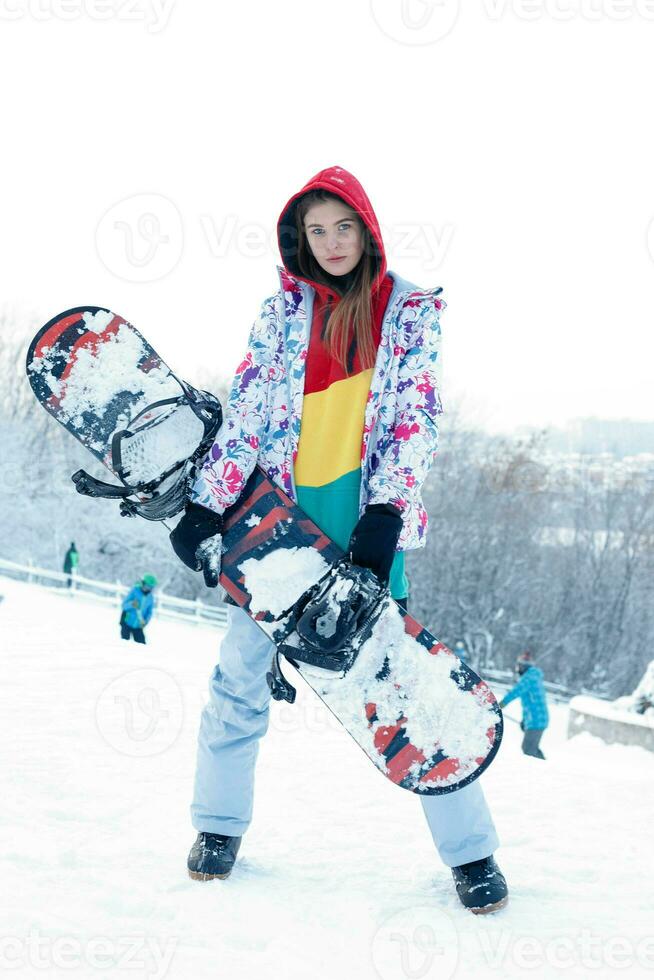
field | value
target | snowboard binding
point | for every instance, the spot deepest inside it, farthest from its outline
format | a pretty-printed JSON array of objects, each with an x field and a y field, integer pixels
[
  {"x": 165, "y": 494},
  {"x": 328, "y": 624}
]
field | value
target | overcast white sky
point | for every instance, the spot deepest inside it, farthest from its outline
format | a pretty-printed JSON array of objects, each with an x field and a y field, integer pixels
[{"x": 507, "y": 148}]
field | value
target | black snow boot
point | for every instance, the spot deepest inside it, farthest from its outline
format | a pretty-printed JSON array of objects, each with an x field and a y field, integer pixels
[
  {"x": 481, "y": 886},
  {"x": 212, "y": 856}
]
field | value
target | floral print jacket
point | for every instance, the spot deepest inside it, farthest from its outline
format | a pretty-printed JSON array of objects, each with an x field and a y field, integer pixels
[{"x": 264, "y": 410}]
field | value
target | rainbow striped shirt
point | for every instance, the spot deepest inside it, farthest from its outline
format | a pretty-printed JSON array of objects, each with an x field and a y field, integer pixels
[{"x": 327, "y": 468}]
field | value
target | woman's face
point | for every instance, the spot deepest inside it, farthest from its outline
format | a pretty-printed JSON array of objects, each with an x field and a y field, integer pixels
[{"x": 335, "y": 236}]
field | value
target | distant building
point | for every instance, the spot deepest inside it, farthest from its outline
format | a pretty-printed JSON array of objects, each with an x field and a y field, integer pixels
[{"x": 620, "y": 437}]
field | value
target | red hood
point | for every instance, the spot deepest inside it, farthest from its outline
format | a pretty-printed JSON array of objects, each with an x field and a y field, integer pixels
[{"x": 341, "y": 182}]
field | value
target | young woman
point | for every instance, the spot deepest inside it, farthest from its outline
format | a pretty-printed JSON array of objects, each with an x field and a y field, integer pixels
[{"x": 337, "y": 399}]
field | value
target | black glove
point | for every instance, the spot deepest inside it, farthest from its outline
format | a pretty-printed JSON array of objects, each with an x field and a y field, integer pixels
[
  {"x": 374, "y": 539},
  {"x": 197, "y": 541}
]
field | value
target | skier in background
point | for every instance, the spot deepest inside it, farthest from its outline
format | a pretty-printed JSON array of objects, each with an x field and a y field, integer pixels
[
  {"x": 460, "y": 650},
  {"x": 304, "y": 420},
  {"x": 531, "y": 691},
  {"x": 137, "y": 608},
  {"x": 71, "y": 561}
]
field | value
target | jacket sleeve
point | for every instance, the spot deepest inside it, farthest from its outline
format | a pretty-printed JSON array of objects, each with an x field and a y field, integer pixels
[
  {"x": 147, "y": 610},
  {"x": 233, "y": 456},
  {"x": 129, "y": 598},
  {"x": 408, "y": 446},
  {"x": 517, "y": 690}
]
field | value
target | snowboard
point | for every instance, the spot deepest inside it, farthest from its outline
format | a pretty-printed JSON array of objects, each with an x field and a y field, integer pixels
[{"x": 422, "y": 716}]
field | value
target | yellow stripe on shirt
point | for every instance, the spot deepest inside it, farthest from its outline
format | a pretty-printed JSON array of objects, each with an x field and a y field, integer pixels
[{"x": 332, "y": 430}]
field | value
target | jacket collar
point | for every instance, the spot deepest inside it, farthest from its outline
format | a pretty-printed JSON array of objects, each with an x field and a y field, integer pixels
[{"x": 290, "y": 283}]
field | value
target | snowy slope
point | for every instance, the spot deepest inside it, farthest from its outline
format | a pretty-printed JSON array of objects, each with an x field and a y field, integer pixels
[{"x": 337, "y": 878}]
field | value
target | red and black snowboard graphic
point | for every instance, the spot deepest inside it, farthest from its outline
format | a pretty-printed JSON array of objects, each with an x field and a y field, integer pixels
[{"x": 422, "y": 716}]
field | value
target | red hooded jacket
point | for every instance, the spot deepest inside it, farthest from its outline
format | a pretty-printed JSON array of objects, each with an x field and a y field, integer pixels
[
  {"x": 338, "y": 181},
  {"x": 341, "y": 182}
]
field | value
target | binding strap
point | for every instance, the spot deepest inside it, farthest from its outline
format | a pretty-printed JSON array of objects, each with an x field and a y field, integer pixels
[
  {"x": 117, "y": 438},
  {"x": 158, "y": 505}
]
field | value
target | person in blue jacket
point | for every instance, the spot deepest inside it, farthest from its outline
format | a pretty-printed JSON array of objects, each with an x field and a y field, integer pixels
[
  {"x": 137, "y": 608},
  {"x": 531, "y": 691}
]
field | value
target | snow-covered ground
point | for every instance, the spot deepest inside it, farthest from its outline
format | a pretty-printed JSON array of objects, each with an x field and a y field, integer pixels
[{"x": 337, "y": 877}]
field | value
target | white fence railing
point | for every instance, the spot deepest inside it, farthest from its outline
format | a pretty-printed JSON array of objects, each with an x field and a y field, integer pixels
[{"x": 167, "y": 606}]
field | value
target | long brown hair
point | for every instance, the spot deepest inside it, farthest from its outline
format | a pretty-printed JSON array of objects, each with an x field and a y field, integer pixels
[{"x": 351, "y": 318}]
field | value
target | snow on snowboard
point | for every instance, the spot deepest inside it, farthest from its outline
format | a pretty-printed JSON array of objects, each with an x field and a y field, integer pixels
[{"x": 423, "y": 717}]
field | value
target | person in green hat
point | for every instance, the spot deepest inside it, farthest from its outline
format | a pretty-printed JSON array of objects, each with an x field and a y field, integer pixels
[
  {"x": 71, "y": 561},
  {"x": 137, "y": 609}
]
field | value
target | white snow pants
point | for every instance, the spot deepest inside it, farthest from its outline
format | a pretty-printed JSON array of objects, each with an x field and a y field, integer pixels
[{"x": 236, "y": 717}]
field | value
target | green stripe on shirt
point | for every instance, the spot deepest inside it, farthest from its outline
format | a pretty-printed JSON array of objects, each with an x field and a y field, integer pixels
[{"x": 334, "y": 507}]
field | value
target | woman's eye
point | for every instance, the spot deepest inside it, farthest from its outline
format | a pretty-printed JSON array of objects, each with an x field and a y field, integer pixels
[{"x": 345, "y": 227}]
